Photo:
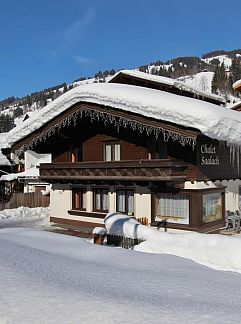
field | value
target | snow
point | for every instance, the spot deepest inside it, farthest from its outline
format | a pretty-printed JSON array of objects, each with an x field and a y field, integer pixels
[
  {"x": 99, "y": 231},
  {"x": 24, "y": 216},
  {"x": 30, "y": 173},
  {"x": 222, "y": 59},
  {"x": 3, "y": 159},
  {"x": 54, "y": 278},
  {"x": 216, "y": 251},
  {"x": 212, "y": 120},
  {"x": 201, "y": 81},
  {"x": 171, "y": 82}
]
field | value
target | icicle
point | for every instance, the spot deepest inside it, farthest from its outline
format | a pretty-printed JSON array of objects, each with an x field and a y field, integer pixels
[{"x": 117, "y": 121}]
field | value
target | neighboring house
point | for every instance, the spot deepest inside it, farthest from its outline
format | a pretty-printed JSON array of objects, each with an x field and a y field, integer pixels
[
  {"x": 28, "y": 180},
  {"x": 146, "y": 80},
  {"x": 141, "y": 151}
]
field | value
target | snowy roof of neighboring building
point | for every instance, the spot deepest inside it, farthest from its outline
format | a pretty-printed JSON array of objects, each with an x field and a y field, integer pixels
[
  {"x": 169, "y": 82},
  {"x": 212, "y": 120},
  {"x": 3, "y": 159},
  {"x": 237, "y": 85},
  {"x": 30, "y": 173}
]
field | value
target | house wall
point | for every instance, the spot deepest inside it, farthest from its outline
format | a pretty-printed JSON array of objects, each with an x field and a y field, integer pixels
[
  {"x": 61, "y": 202},
  {"x": 93, "y": 149}
]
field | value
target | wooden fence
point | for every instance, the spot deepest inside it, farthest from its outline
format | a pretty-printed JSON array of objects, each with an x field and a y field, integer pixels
[
  {"x": 122, "y": 241},
  {"x": 31, "y": 200}
]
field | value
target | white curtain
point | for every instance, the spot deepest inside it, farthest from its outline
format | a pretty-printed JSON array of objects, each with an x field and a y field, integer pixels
[
  {"x": 97, "y": 199},
  {"x": 170, "y": 205},
  {"x": 105, "y": 201},
  {"x": 84, "y": 199},
  {"x": 130, "y": 200},
  {"x": 121, "y": 200},
  {"x": 107, "y": 152},
  {"x": 117, "y": 152}
]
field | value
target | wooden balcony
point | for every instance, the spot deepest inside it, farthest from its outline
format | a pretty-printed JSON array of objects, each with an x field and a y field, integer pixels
[{"x": 141, "y": 170}]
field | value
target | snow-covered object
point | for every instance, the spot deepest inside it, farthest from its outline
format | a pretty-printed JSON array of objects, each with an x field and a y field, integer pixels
[
  {"x": 99, "y": 231},
  {"x": 216, "y": 251},
  {"x": 123, "y": 225},
  {"x": 179, "y": 84},
  {"x": 237, "y": 85},
  {"x": 212, "y": 120},
  {"x": 46, "y": 192}
]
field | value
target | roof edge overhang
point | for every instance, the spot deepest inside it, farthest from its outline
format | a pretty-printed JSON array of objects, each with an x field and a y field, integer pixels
[{"x": 109, "y": 115}]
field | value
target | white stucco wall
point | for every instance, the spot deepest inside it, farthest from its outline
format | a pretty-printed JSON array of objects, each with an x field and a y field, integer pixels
[
  {"x": 61, "y": 202},
  {"x": 142, "y": 199}
]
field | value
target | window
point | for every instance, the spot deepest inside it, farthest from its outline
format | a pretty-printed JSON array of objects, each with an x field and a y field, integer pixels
[
  {"x": 212, "y": 207},
  {"x": 76, "y": 154},
  {"x": 172, "y": 205},
  {"x": 111, "y": 151},
  {"x": 79, "y": 198},
  {"x": 125, "y": 201},
  {"x": 101, "y": 199},
  {"x": 157, "y": 149}
]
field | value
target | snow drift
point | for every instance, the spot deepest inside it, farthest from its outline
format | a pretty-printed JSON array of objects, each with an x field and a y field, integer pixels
[{"x": 215, "y": 251}]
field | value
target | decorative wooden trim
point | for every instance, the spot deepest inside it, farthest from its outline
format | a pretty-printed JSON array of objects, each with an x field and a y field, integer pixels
[{"x": 143, "y": 170}]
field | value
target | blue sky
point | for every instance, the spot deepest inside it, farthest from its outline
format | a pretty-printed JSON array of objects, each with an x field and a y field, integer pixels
[{"x": 47, "y": 42}]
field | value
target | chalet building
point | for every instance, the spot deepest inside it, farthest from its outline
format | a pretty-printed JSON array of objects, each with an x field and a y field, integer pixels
[{"x": 136, "y": 149}]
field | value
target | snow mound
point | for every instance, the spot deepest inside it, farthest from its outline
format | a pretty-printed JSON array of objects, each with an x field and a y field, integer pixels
[
  {"x": 24, "y": 216},
  {"x": 215, "y": 251}
]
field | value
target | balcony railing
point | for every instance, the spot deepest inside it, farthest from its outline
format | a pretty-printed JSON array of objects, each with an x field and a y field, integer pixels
[{"x": 141, "y": 170}]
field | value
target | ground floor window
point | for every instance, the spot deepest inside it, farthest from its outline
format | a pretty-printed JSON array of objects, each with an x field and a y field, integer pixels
[
  {"x": 212, "y": 207},
  {"x": 101, "y": 199},
  {"x": 172, "y": 205},
  {"x": 79, "y": 198},
  {"x": 125, "y": 201}
]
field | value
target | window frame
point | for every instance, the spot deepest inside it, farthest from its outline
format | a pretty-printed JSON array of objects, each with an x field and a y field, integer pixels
[
  {"x": 95, "y": 209},
  {"x": 80, "y": 192},
  {"x": 173, "y": 195},
  {"x": 112, "y": 144},
  {"x": 126, "y": 201}
]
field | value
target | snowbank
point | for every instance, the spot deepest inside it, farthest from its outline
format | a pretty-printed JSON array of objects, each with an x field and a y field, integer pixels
[
  {"x": 24, "y": 216},
  {"x": 212, "y": 120},
  {"x": 215, "y": 251}
]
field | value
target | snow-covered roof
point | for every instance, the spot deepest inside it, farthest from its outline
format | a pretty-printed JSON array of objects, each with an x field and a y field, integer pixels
[
  {"x": 169, "y": 82},
  {"x": 30, "y": 173},
  {"x": 237, "y": 85},
  {"x": 212, "y": 120},
  {"x": 3, "y": 159}
]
